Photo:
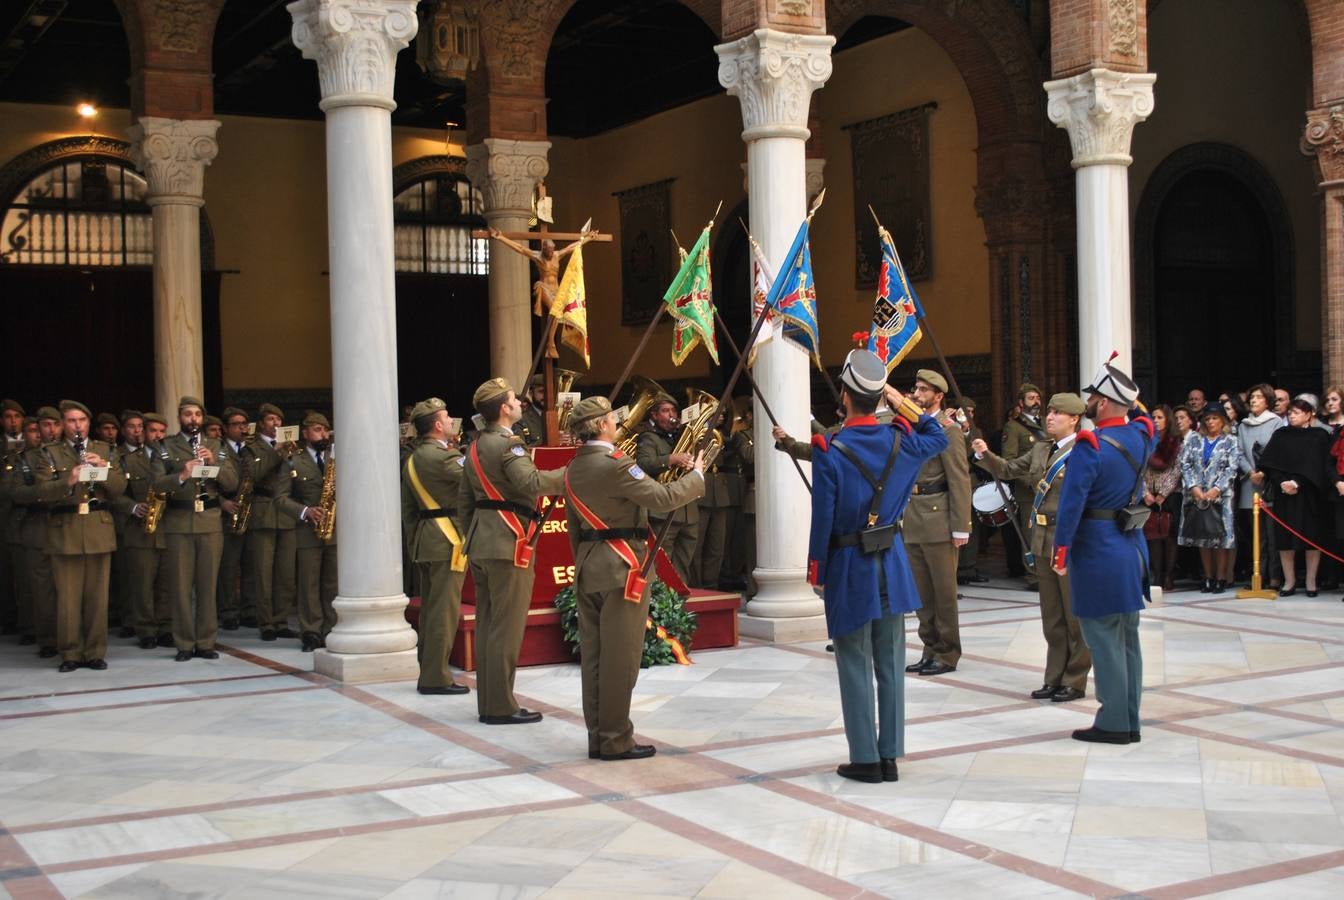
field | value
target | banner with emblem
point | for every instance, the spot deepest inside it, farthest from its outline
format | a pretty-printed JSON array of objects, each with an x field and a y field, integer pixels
[
  {"x": 761, "y": 277},
  {"x": 896, "y": 311},
  {"x": 793, "y": 296},
  {"x": 570, "y": 306},
  {"x": 690, "y": 301}
]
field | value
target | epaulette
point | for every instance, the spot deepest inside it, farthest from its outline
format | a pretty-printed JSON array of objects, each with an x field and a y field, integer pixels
[
  {"x": 1148, "y": 424},
  {"x": 616, "y": 453},
  {"x": 1089, "y": 438},
  {"x": 819, "y": 441}
]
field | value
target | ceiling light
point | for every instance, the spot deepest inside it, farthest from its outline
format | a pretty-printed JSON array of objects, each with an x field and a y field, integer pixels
[{"x": 86, "y": 110}]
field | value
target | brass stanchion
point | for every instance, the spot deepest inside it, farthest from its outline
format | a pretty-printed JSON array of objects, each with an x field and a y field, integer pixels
[{"x": 1256, "y": 592}]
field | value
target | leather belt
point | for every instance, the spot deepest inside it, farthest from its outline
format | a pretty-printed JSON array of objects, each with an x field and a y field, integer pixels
[
  {"x": 263, "y": 492},
  {"x": 190, "y": 505},
  {"x": 1105, "y": 515},
  {"x": 517, "y": 509},
  {"x": 1045, "y": 519},
  {"x": 929, "y": 487},
  {"x": 94, "y": 505},
  {"x": 853, "y": 540},
  {"x": 587, "y": 535},
  {"x": 440, "y": 513}
]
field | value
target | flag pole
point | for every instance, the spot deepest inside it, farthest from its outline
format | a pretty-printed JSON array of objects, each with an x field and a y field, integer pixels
[
  {"x": 765, "y": 405},
  {"x": 648, "y": 333}
]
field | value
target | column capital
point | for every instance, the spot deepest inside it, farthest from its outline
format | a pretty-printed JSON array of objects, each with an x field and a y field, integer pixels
[
  {"x": 507, "y": 171},
  {"x": 1324, "y": 139},
  {"x": 1099, "y": 109},
  {"x": 173, "y": 154},
  {"x": 773, "y": 74},
  {"x": 355, "y": 45}
]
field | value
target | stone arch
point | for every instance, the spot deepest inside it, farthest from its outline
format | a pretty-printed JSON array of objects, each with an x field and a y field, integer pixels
[
  {"x": 411, "y": 171},
  {"x": 1238, "y": 164}
]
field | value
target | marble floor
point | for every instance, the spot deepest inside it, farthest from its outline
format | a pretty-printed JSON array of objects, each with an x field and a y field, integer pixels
[{"x": 251, "y": 776}]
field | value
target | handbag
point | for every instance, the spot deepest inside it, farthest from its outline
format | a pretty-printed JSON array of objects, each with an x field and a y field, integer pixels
[
  {"x": 1202, "y": 521},
  {"x": 1158, "y": 526}
]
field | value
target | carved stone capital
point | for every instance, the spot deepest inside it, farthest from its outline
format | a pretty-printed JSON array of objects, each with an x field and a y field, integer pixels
[
  {"x": 1324, "y": 139},
  {"x": 1100, "y": 109},
  {"x": 507, "y": 172},
  {"x": 355, "y": 44},
  {"x": 773, "y": 74},
  {"x": 816, "y": 178},
  {"x": 173, "y": 154}
]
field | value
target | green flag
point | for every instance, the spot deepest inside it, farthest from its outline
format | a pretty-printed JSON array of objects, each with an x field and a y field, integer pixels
[{"x": 690, "y": 302}]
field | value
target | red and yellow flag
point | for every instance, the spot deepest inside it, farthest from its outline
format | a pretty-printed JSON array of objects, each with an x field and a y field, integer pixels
[{"x": 570, "y": 306}]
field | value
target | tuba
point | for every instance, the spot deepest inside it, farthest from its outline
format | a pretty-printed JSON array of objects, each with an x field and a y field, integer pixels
[
  {"x": 327, "y": 503},
  {"x": 645, "y": 390},
  {"x": 694, "y": 431}
]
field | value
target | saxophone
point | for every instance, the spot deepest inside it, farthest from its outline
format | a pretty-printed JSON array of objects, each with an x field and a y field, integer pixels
[
  {"x": 155, "y": 501},
  {"x": 327, "y": 503},
  {"x": 243, "y": 512}
]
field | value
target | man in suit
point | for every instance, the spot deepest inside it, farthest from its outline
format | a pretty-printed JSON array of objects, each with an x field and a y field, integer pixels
[
  {"x": 430, "y": 481},
  {"x": 1106, "y": 564},
  {"x": 192, "y": 528},
  {"x": 654, "y": 454},
  {"x": 1067, "y": 660},
  {"x": 862, "y": 478},
  {"x": 141, "y": 553},
  {"x": 269, "y": 550},
  {"x": 235, "y": 603},
  {"x": 80, "y": 536},
  {"x": 1021, "y": 432},
  {"x": 937, "y": 524},
  {"x": 606, "y": 515},
  {"x": 497, "y": 512},
  {"x": 316, "y": 558}
]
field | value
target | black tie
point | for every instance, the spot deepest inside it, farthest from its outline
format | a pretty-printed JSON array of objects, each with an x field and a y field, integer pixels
[
  {"x": 1054, "y": 448},
  {"x": 321, "y": 463}
]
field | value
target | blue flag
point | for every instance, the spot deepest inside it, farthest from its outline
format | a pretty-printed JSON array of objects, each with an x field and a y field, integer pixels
[
  {"x": 794, "y": 296},
  {"x": 896, "y": 311}
]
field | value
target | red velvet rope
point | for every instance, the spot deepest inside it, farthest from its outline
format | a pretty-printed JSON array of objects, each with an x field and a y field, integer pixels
[{"x": 1265, "y": 509}]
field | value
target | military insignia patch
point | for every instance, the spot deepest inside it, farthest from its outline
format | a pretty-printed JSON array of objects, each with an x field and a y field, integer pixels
[
  {"x": 462, "y": 461},
  {"x": 636, "y": 473},
  {"x": 516, "y": 450}
]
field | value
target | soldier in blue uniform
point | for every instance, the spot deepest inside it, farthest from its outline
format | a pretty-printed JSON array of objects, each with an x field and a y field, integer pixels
[
  {"x": 1107, "y": 566},
  {"x": 868, "y": 586}
]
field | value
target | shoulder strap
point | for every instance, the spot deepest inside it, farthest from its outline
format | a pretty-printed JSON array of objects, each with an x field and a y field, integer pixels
[
  {"x": 1138, "y": 470},
  {"x": 877, "y": 484}
]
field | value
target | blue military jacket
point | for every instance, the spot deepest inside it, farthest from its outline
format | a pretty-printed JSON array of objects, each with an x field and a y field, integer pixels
[
  {"x": 1106, "y": 565},
  {"x": 840, "y": 500}
]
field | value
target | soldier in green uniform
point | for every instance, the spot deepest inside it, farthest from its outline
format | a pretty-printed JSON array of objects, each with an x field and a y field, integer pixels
[
  {"x": 192, "y": 528},
  {"x": 741, "y": 553},
  {"x": 233, "y": 599},
  {"x": 496, "y": 513},
  {"x": 270, "y": 537},
  {"x": 12, "y": 526},
  {"x": 315, "y": 570},
  {"x": 1020, "y": 433},
  {"x": 607, "y": 499},
  {"x": 141, "y": 554},
  {"x": 431, "y": 478},
  {"x": 36, "y": 559},
  {"x": 723, "y": 493},
  {"x": 937, "y": 523},
  {"x": 106, "y": 428},
  {"x": 653, "y": 453},
  {"x": 532, "y": 426},
  {"x": 80, "y": 536},
  {"x": 156, "y": 431},
  {"x": 213, "y": 428},
  {"x": 11, "y": 418},
  {"x": 1067, "y": 660},
  {"x": 968, "y": 559}
]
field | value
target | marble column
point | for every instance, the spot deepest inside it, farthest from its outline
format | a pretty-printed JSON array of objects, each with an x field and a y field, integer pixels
[
  {"x": 1324, "y": 138},
  {"x": 1100, "y": 109},
  {"x": 355, "y": 44},
  {"x": 173, "y": 154},
  {"x": 507, "y": 172},
  {"x": 773, "y": 74}
]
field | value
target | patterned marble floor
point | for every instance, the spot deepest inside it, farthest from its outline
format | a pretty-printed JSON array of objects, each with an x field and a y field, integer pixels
[{"x": 252, "y": 777}]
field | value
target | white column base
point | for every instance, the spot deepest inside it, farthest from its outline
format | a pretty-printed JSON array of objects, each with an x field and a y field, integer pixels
[
  {"x": 358, "y": 668},
  {"x": 781, "y": 631}
]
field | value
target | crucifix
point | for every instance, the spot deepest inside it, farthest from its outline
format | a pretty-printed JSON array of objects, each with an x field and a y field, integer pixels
[{"x": 547, "y": 262}]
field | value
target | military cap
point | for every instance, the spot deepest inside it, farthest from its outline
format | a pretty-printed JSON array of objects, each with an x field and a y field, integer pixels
[
  {"x": 7, "y": 405},
  {"x": 127, "y": 414},
  {"x": 190, "y": 401},
  {"x": 659, "y": 399},
  {"x": 537, "y": 380},
  {"x": 864, "y": 373},
  {"x": 1069, "y": 404},
  {"x": 214, "y": 420},
  {"x": 1027, "y": 388},
  {"x": 1113, "y": 384},
  {"x": 29, "y": 420},
  {"x": 105, "y": 419},
  {"x": 428, "y": 407},
  {"x": 232, "y": 412},
  {"x": 270, "y": 409},
  {"x": 313, "y": 417},
  {"x": 156, "y": 419},
  {"x": 492, "y": 389},
  {"x": 586, "y": 410},
  {"x": 966, "y": 403},
  {"x": 48, "y": 412},
  {"x": 66, "y": 405},
  {"x": 933, "y": 379}
]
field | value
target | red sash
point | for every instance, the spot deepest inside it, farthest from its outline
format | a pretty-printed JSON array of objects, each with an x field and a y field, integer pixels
[
  {"x": 522, "y": 549},
  {"x": 635, "y": 582}
]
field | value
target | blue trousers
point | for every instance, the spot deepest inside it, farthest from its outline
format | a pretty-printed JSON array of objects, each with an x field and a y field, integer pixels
[
  {"x": 1117, "y": 666},
  {"x": 873, "y": 650}
]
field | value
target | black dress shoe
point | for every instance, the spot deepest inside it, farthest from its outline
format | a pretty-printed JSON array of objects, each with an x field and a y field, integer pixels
[
  {"x": 68, "y": 666},
  {"x": 27, "y": 640},
  {"x": 164, "y": 640},
  {"x": 1045, "y": 692},
  {"x": 521, "y": 717},
  {"x": 182, "y": 656},
  {"x": 207, "y": 654},
  {"x": 310, "y": 643},
  {"x": 126, "y": 631},
  {"x": 1095, "y": 735},
  {"x": 921, "y": 665},
  {"x": 248, "y": 621},
  {"x": 1206, "y": 586},
  {"x": 1288, "y": 592},
  {"x": 1066, "y": 693},
  {"x": 148, "y": 643},
  {"x": 1135, "y": 737},
  {"x": 594, "y": 754},
  {"x": 229, "y": 624},
  {"x": 287, "y": 633},
  {"x": 868, "y": 772},
  {"x": 453, "y": 688},
  {"x": 47, "y": 652},
  {"x": 978, "y": 579},
  {"x": 268, "y": 634},
  {"x": 889, "y": 770},
  {"x": 97, "y": 665},
  {"x": 638, "y": 751},
  {"x": 937, "y": 668}
]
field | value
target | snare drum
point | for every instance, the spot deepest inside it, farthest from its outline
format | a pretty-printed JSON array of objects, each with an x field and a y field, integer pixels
[{"x": 993, "y": 503}]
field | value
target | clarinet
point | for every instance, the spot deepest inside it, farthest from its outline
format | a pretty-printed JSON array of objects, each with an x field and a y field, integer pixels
[
  {"x": 81, "y": 450},
  {"x": 194, "y": 441}
]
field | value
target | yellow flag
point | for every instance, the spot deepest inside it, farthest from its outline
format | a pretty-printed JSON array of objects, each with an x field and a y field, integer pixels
[{"x": 570, "y": 306}]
